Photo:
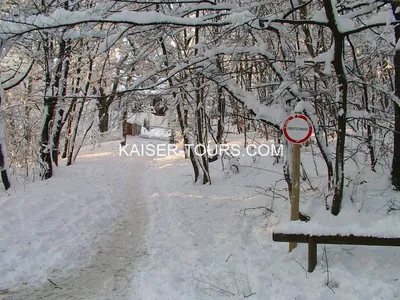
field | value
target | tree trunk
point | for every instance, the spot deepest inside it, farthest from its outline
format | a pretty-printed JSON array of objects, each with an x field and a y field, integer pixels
[
  {"x": 3, "y": 149},
  {"x": 79, "y": 106},
  {"x": 58, "y": 120},
  {"x": 74, "y": 132},
  {"x": 27, "y": 129},
  {"x": 52, "y": 80},
  {"x": 67, "y": 135},
  {"x": 183, "y": 124},
  {"x": 103, "y": 114},
  {"x": 200, "y": 115},
  {"x": 45, "y": 150},
  {"x": 202, "y": 132},
  {"x": 395, "y": 173},
  {"x": 221, "y": 110},
  {"x": 221, "y": 117},
  {"x": 104, "y": 102},
  {"x": 124, "y": 124},
  {"x": 338, "y": 65},
  {"x": 68, "y": 117}
]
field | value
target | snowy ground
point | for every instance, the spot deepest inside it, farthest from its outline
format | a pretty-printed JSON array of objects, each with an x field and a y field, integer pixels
[
  {"x": 113, "y": 227},
  {"x": 83, "y": 230},
  {"x": 202, "y": 245}
]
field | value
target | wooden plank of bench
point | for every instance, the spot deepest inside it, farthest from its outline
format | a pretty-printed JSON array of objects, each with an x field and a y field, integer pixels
[
  {"x": 337, "y": 239},
  {"x": 358, "y": 240},
  {"x": 283, "y": 237}
]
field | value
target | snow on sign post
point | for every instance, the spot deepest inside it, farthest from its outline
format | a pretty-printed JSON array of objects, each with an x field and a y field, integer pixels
[{"x": 297, "y": 129}]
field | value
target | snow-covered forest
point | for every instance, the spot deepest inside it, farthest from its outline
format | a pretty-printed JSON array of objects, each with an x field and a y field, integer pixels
[{"x": 76, "y": 75}]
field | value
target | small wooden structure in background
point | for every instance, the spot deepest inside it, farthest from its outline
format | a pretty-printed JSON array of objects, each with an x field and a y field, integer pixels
[{"x": 133, "y": 129}]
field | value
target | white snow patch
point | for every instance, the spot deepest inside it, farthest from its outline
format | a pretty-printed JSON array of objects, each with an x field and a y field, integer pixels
[
  {"x": 320, "y": 16},
  {"x": 345, "y": 24},
  {"x": 50, "y": 228},
  {"x": 240, "y": 18},
  {"x": 327, "y": 58},
  {"x": 358, "y": 114},
  {"x": 385, "y": 16}
]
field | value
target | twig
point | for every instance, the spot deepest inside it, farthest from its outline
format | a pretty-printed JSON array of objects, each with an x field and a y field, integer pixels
[
  {"x": 244, "y": 210},
  {"x": 348, "y": 250},
  {"x": 327, "y": 272},
  {"x": 247, "y": 296},
  {"x": 55, "y": 285},
  {"x": 210, "y": 286},
  {"x": 236, "y": 283},
  {"x": 301, "y": 267},
  {"x": 247, "y": 281}
]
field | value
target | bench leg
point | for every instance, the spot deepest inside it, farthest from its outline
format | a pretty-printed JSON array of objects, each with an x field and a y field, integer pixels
[{"x": 312, "y": 253}]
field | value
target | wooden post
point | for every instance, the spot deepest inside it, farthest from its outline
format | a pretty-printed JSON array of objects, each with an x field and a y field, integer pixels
[
  {"x": 294, "y": 209},
  {"x": 312, "y": 254},
  {"x": 172, "y": 137}
]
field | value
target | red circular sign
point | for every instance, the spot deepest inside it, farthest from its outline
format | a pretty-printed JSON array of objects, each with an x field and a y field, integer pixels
[{"x": 297, "y": 129}]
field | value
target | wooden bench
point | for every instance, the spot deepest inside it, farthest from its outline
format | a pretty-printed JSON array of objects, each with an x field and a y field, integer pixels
[{"x": 314, "y": 240}]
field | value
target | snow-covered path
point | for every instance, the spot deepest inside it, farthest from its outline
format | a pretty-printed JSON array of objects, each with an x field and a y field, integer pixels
[
  {"x": 108, "y": 273},
  {"x": 133, "y": 228}
]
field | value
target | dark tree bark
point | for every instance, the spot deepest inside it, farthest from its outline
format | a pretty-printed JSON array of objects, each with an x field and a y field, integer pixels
[
  {"x": 200, "y": 118},
  {"x": 68, "y": 135},
  {"x": 79, "y": 106},
  {"x": 45, "y": 150},
  {"x": 395, "y": 173},
  {"x": 103, "y": 106},
  {"x": 52, "y": 80},
  {"x": 221, "y": 110},
  {"x": 200, "y": 122},
  {"x": 104, "y": 102},
  {"x": 124, "y": 124},
  {"x": 3, "y": 152},
  {"x": 183, "y": 124},
  {"x": 58, "y": 120},
  {"x": 221, "y": 117},
  {"x": 71, "y": 146},
  {"x": 68, "y": 118},
  {"x": 338, "y": 65},
  {"x": 103, "y": 114}
]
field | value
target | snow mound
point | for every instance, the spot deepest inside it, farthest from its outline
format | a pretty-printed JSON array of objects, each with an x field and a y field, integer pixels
[{"x": 156, "y": 133}]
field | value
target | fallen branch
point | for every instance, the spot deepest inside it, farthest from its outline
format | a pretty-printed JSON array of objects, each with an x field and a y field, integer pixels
[
  {"x": 266, "y": 210},
  {"x": 247, "y": 296},
  {"x": 209, "y": 286},
  {"x": 55, "y": 285}
]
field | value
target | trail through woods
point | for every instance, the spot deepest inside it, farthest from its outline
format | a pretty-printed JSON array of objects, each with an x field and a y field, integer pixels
[
  {"x": 132, "y": 228},
  {"x": 110, "y": 272}
]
